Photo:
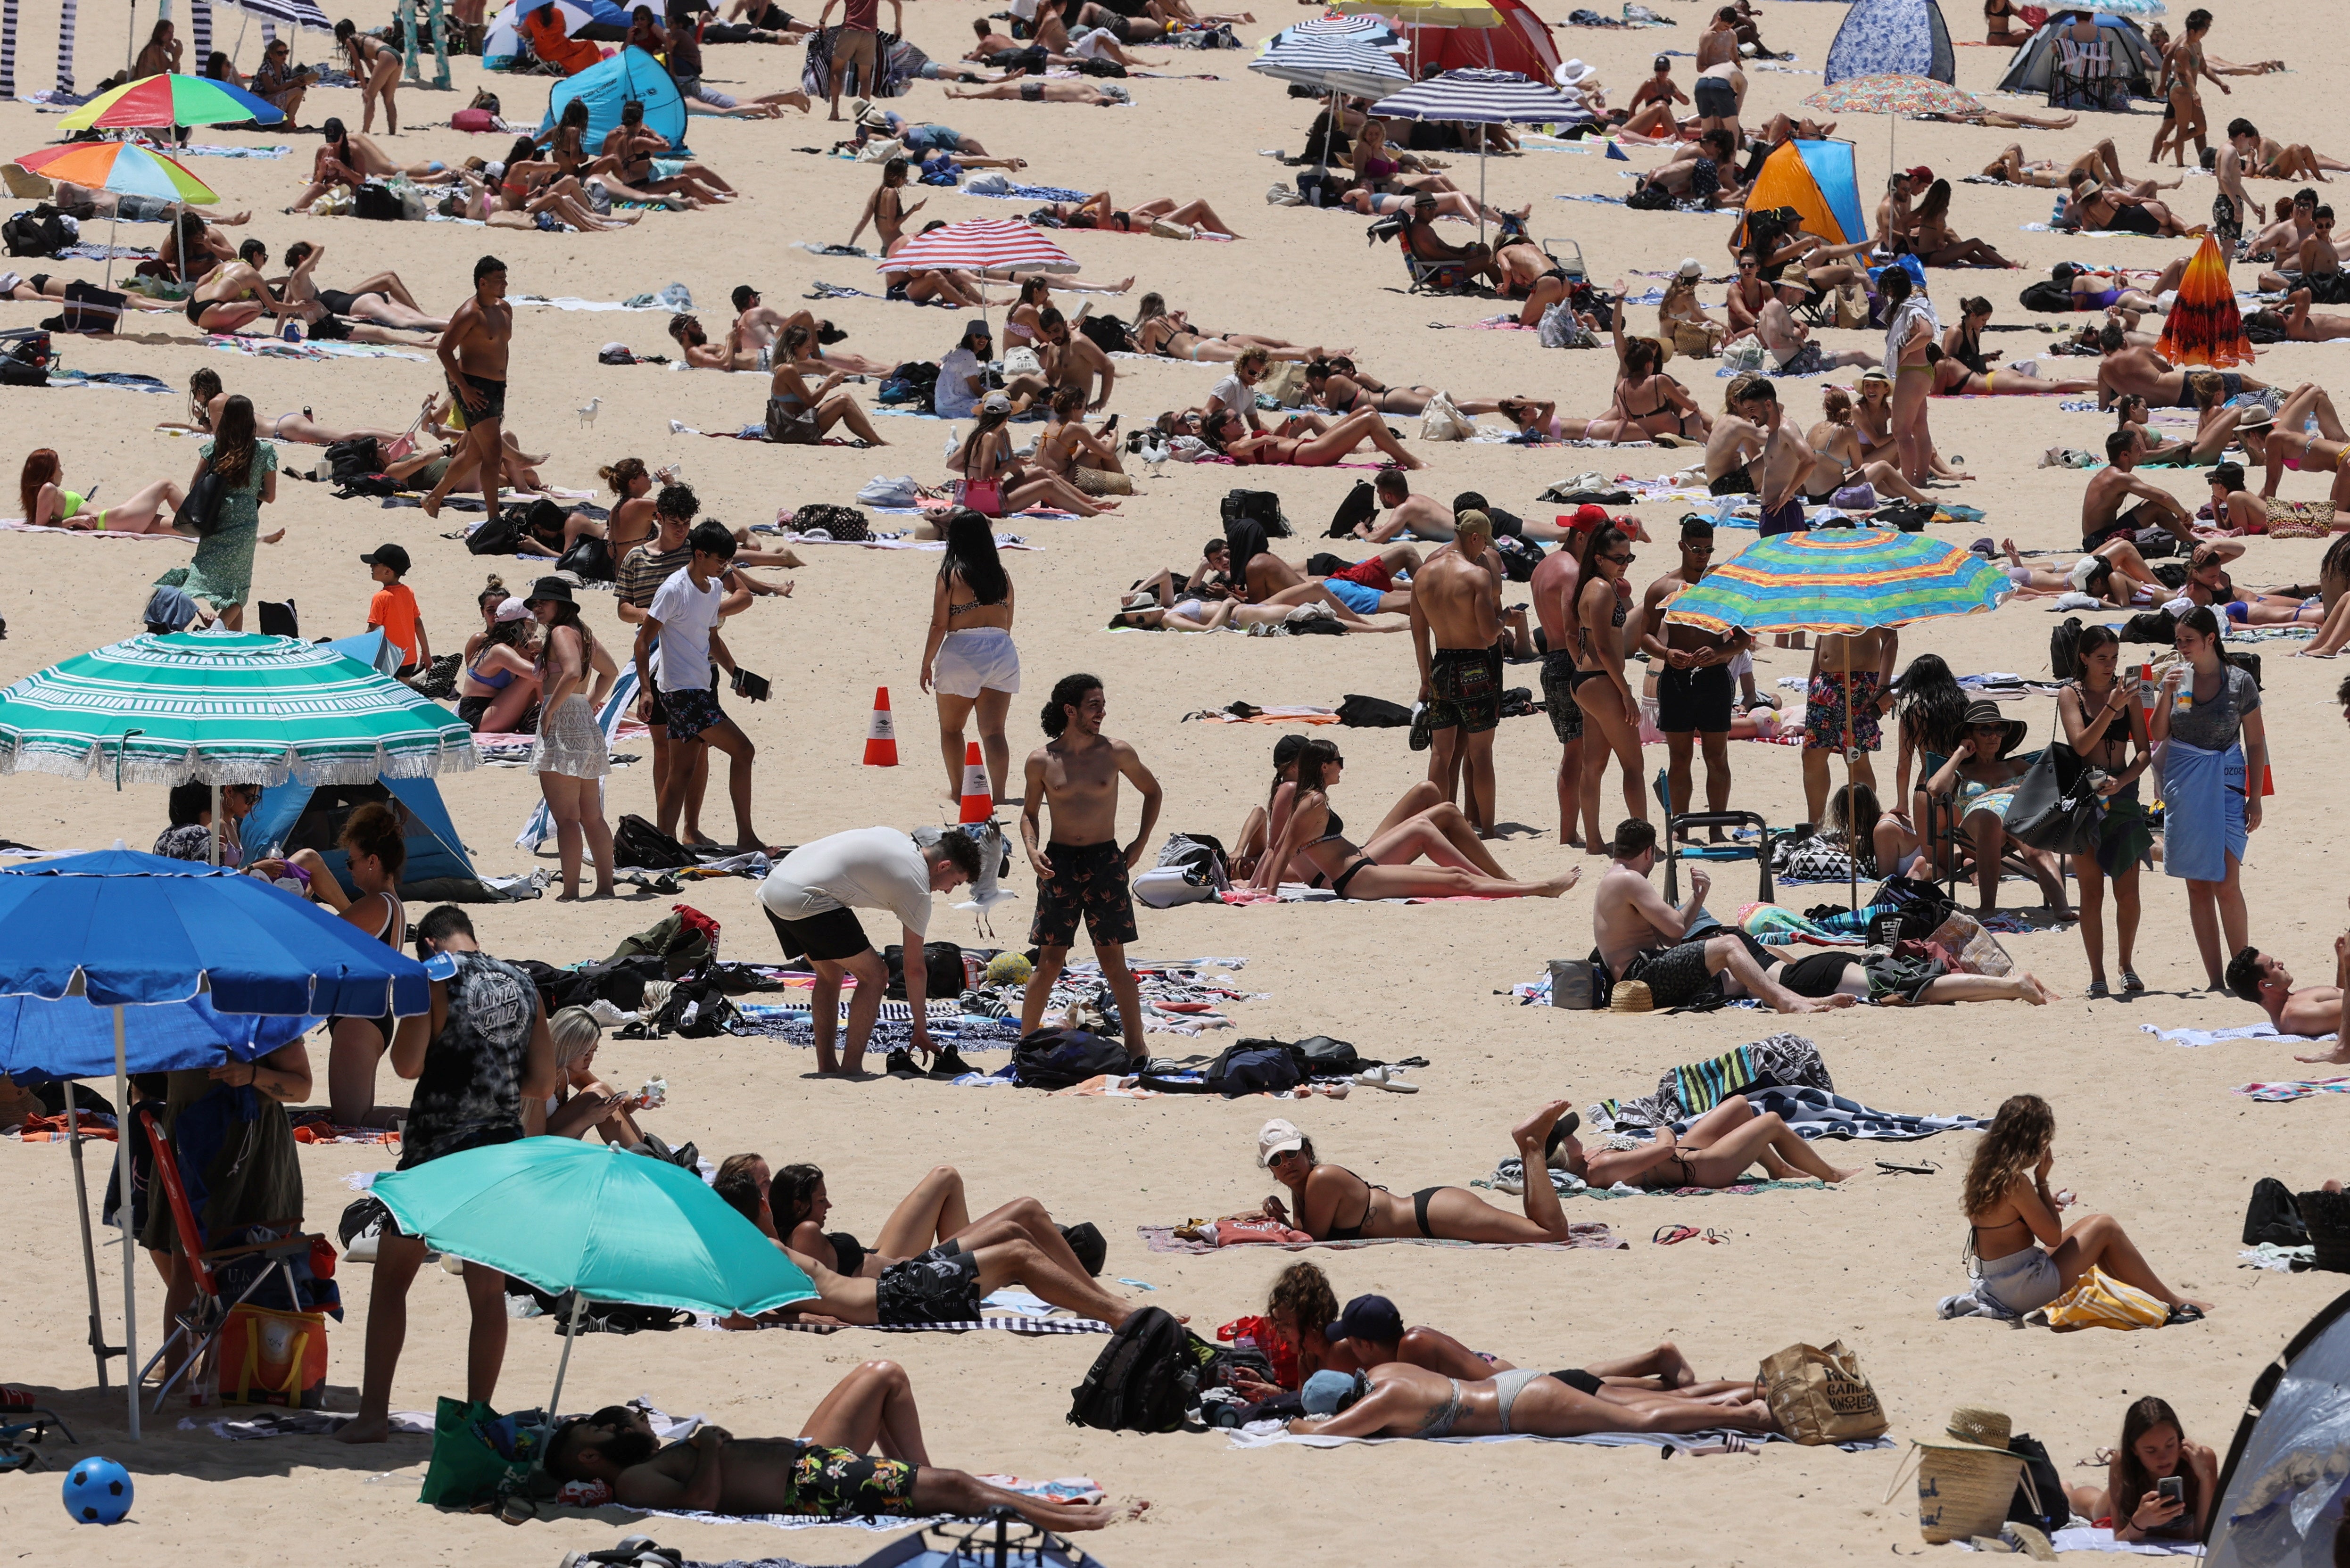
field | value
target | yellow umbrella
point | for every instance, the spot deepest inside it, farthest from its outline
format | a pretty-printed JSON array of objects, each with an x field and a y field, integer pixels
[{"x": 1425, "y": 13}]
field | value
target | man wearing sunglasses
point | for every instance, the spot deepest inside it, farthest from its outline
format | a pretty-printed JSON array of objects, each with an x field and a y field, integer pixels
[{"x": 1694, "y": 686}]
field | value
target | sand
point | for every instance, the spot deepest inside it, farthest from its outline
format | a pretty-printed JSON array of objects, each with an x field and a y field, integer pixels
[{"x": 2147, "y": 1131}]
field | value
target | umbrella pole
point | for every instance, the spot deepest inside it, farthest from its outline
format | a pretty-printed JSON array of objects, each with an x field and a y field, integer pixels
[
  {"x": 130, "y": 1243},
  {"x": 563, "y": 1365},
  {"x": 1851, "y": 815},
  {"x": 216, "y": 811},
  {"x": 88, "y": 1250},
  {"x": 1481, "y": 184},
  {"x": 110, "y": 222}
]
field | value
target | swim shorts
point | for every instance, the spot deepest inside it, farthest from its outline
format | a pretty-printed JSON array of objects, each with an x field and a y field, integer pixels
[
  {"x": 841, "y": 1483},
  {"x": 1088, "y": 879},
  {"x": 1824, "y": 713},
  {"x": 1466, "y": 682},
  {"x": 1737, "y": 481},
  {"x": 494, "y": 391},
  {"x": 1674, "y": 976},
  {"x": 937, "y": 1287},
  {"x": 1694, "y": 699},
  {"x": 1787, "y": 517},
  {"x": 1360, "y": 598},
  {"x": 1715, "y": 97},
  {"x": 1806, "y": 362},
  {"x": 691, "y": 712},
  {"x": 834, "y": 936},
  {"x": 1558, "y": 696}
]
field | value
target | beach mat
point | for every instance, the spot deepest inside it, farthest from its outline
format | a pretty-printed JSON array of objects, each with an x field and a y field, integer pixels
[{"x": 1162, "y": 1239}]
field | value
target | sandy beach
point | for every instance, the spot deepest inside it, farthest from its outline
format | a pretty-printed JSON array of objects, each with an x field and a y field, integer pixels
[{"x": 2147, "y": 1131}]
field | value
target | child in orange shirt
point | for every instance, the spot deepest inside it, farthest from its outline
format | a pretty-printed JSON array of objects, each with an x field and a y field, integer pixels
[{"x": 393, "y": 610}]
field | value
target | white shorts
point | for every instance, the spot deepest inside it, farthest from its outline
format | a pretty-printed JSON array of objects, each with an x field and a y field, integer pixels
[
  {"x": 1087, "y": 45},
  {"x": 980, "y": 660}
]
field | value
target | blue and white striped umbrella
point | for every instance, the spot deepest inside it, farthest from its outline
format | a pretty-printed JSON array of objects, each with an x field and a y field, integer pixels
[
  {"x": 1475, "y": 97},
  {"x": 284, "y": 13},
  {"x": 1373, "y": 31},
  {"x": 1332, "y": 65}
]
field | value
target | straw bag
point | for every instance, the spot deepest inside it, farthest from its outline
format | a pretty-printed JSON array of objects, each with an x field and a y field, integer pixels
[
  {"x": 1821, "y": 1395},
  {"x": 1963, "y": 1490},
  {"x": 2099, "y": 1301},
  {"x": 1972, "y": 949},
  {"x": 1439, "y": 420}
]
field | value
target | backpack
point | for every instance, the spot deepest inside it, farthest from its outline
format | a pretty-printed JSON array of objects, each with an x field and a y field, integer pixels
[
  {"x": 697, "y": 1008},
  {"x": 2273, "y": 1216},
  {"x": 1145, "y": 1378},
  {"x": 2048, "y": 296},
  {"x": 912, "y": 382},
  {"x": 1260, "y": 506},
  {"x": 379, "y": 202},
  {"x": 41, "y": 232},
  {"x": 496, "y": 536},
  {"x": 1251, "y": 1068},
  {"x": 590, "y": 559},
  {"x": 942, "y": 975},
  {"x": 352, "y": 458},
  {"x": 2042, "y": 1480},
  {"x": 1110, "y": 335},
  {"x": 2065, "y": 648},
  {"x": 24, "y": 356},
  {"x": 1649, "y": 197},
  {"x": 1520, "y": 557},
  {"x": 1319, "y": 1056},
  {"x": 1373, "y": 713},
  {"x": 1923, "y": 904},
  {"x": 1362, "y": 505},
  {"x": 639, "y": 843},
  {"x": 1056, "y": 1058}
]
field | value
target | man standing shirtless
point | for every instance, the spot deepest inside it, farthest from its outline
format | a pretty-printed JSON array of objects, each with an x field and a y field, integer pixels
[
  {"x": 1695, "y": 690},
  {"x": 473, "y": 358},
  {"x": 1456, "y": 606},
  {"x": 1082, "y": 870},
  {"x": 1786, "y": 460},
  {"x": 1553, "y": 587}
]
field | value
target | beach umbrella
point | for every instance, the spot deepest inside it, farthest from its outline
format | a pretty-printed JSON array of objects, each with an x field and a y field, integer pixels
[
  {"x": 1425, "y": 13},
  {"x": 980, "y": 244},
  {"x": 505, "y": 34},
  {"x": 2134, "y": 8},
  {"x": 1893, "y": 96},
  {"x": 2204, "y": 326},
  {"x": 1483, "y": 97},
  {"x": 284, "y": 13},
  {"x": 155, "y": 102},
  {"x": 563, "y": 1215},
  {"x": 125, "y": 168},
  {"x": 1332, "y": 65},
  {"x": 1892, "y": 37},
  {"x": 139, "y": 964},
  {"x": 1371, "y": 30},
  {"x": 1841, "y": 580}
]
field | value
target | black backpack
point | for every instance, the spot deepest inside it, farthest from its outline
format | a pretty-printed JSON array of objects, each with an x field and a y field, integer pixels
[
  {"x": 1253, "y": 1067},
  {"x": 2065, "y": 648},
  {"x": 1319, "y": 1056},
  {"x": 1261, "y": 506},
  {"x": 1056, "y": 1058},
  {"x": 912, "y": 382},
  {"x": 1145, "y": 1378},
  {"x": 639, "y": 843},
  {"x": 1373, "y": 713},
  {"x": 1110, "y": 335},
  {"x": 941, "y": 971},
  {"x": 1520, "y": 557},
  {"x": 1362, "y": 505},
  {"x": 24, "y": 356},
  {"x": 378, "y": 202},
  {"x": 590, "y": 559},
  {"x": 2046, "y": 1484},
  {"x": 2048, "y": 296},
  {"x": 40, "y": 232},
  {"x": 2273, "y": 1216},
  {"x": 352, "y": 458},
  {"x": 697, "y": 1008},
  {"x": 499, "y": 536}
]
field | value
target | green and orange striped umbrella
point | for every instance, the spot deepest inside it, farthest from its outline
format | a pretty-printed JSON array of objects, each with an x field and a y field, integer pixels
[
  {"x": 173, "y": 100},
  {"x": 2204, "y": 327},
  {"x": 1841, "y": 579}
]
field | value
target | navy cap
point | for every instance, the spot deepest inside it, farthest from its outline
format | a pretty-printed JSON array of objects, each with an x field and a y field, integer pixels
[{"x": 1372, "y": 1318}]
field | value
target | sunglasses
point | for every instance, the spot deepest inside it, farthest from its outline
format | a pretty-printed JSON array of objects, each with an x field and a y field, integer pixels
[
  {"x": 1693, "y": 548},
  {"x": 1275, "y": 1161},
  {"x": 1619, "y": 560},
  {"x": 1747, "y": 266}
]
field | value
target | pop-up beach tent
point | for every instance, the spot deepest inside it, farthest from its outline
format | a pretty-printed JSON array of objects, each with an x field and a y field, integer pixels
[
  {"x": 1521, "y": 44},
  {"x": 2130, "y": 65},
  {"x": 630, "y": 74},
  {"x": 1892, "y": 37},
  {"x": 2282, "y": 1490},
  {"x": 1818, "y": 179}
]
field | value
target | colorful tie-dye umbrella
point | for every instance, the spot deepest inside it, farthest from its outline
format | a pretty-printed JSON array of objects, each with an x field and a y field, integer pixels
[
  {"x": 125, "y": 168},
  {"x": 161, "y": 100},
  {"x": 2204, "y": 327}
]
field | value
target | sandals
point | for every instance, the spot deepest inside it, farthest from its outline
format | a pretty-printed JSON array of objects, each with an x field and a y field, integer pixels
[
  {"x": 2098, "y": 989},
  {"x": 2131, "y": 984},
  {"x": 2185, "y": 1312},
  {"x": 1381, "y": 1079},
  {"x": 1673, "y": 1235}
]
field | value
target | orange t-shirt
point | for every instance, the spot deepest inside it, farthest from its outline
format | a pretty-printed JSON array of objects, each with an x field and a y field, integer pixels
[{"x": 393, "y": 608}]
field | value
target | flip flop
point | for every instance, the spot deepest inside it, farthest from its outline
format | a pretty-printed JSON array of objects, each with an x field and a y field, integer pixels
[{"x": 1673, "y": 1235}]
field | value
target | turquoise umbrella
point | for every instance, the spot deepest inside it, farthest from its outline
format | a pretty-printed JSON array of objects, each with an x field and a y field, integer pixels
[{"x": 565, "y": 1215}]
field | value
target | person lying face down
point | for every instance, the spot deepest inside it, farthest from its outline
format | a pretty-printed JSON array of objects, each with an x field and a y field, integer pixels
[{"x": 1397, "y": 1399}]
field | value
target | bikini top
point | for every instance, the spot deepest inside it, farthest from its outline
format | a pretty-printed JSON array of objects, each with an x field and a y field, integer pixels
[
  {"x": 1379, "y": 168},
  {"x": 847, "y": 1250},
  {"x": 499, "y": 682},
  {"x": 1351, "y": 1233}
]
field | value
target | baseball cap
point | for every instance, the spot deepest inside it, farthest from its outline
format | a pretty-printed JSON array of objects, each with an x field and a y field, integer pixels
[
  {"x": 995, "y": 403},
  {"x": 1287, "y": 749},
  {"x": 1277, "y": 1137},
  {"x": 1374, "y": 1318},
  {"x": 512, "y": 610},
  {"x": 1689, "y": 268},
  {"x": 391, "y": 555},
  {"x": 1327, "y": 1393},
  {"x": 1921, "y": 175},
  {"x": 743, "y": 294},
  {"x": 1587, "y": 516}
]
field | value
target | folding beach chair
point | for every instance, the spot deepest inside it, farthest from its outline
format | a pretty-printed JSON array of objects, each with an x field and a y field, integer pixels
[
  {"x": 207, "y": 1314},
  {"x": 1758, "y": 851}
]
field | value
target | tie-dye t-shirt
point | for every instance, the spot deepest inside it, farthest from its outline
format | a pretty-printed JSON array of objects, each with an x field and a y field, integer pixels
[{"x": 471, "y": 1083}]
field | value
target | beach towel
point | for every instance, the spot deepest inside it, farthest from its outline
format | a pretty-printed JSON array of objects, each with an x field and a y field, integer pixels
[
  {"x": 210, "y": 150},
  {"x": 299, "y": 1424},
  {"x": 900, "y": 541},
  {"x": 127, "y": 380},
  {"x": 2242, "y": 1032},
  {"x": 1162, "y": 1239},
  {"x": 1267, "y": 1434},
  {"x": 2088, "y": 1539},
  {"x": 1688, "y": 1092},
  {"x": 1510, "y": 1177},
  {"x": 2202, "y": 810},
  {"x": 90, "y": 251},
  {"x": 2278, "y": 1094},
  {"x": 18, "y": 526},
  {"x": 1069, "y": 1489}
]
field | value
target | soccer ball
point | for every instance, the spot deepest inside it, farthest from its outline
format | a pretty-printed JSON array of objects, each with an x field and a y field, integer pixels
[{"x": 98, "y": 1491}]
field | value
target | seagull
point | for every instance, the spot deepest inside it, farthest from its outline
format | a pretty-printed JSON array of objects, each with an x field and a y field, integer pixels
[{"x": 588, "y": 413}]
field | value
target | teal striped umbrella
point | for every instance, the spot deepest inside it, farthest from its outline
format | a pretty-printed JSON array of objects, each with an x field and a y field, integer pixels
[
  {"x": 1841, "y": 579},
  {"x": 225, "y": 708}
]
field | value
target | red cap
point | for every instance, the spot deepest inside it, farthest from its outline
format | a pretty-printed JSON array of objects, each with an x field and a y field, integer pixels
[
  {"x": 1588, "y": 516},
  {"x": 1921, "y": 175}
]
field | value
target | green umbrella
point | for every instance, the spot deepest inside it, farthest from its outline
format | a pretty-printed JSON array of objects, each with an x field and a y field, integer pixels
[
  {"x": 566, "y": 1215},
  {"x": 225, "y": 708}
]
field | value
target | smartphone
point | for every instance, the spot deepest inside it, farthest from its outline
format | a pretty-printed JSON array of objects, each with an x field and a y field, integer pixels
[
  {"x": 1111, "y": 428},
  {"x": 2173, "y": 1488}
]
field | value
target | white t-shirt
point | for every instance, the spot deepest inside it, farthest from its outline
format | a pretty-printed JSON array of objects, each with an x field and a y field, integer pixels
[
  {"x": 1234, "y": 394},
  {"x": 686, "y": 614},
  {"x": 866, "y": 868},
  {"x": 954, "y": 400}
]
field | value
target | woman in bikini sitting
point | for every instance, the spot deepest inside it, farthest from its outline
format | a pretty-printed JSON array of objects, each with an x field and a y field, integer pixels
[
  {"x": 1334, "y": 1204},
  {"x": 1316, "y": 835},
  {"x": 1718, "y": 1150},
  {"x": 1227, "y": 433},
  {"x": 1380, "y": 168},
  {"x": 1648, "y": 404},
  {"x": 376, "y": 64},
  {"x": 497, "y": 681},
  {"x": 813, "y": 410},
  {"x": 1934, "y": 243},
  {"x": 2278, "y": 442},
  {"x": 1345, "y": 393},
  {"x": 1837, "y": 460},
  {"x": 2025, "y": 1256},
  {"x": 1980, "y": 779},
  {"x": 2215, "y": 425},
  {"x": 1087, "y": 459},
  {"x": 2000, "y": 22},
  {"x": 988, "y": 470},
  {"x": 47, "y": 504},
  {"x": 1098, "y": 211},
  {"x": 1423, "y": 823},
  {"x": 934, "y": 1214},
  {"x": 1169, "y": 333}
]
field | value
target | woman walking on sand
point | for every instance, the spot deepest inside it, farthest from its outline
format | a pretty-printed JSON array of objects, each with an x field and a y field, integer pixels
[{"x": 969, "y": 663}]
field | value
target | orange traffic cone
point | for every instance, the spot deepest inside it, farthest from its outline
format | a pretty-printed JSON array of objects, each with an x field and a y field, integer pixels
[
  {"x": 881, "y": 735},
  {"x": 978, "y": 800}
]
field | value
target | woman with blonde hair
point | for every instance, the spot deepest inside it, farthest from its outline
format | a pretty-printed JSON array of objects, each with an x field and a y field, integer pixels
[
  {"x": 1684, "y": 323},
  {"x": 2024, "y": 1256},
  {"x": 581, "y": 1100}
]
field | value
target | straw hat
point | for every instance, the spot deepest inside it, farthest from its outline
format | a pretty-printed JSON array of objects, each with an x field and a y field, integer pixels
[
  {"x": 1973, "y": 1427},
  {"x": 1985, "y": 712},
  {"x": 1631, "y": 996}
]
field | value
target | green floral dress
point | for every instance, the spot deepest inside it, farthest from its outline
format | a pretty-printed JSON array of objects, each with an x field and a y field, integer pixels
[{"x": 222, "y": 572}]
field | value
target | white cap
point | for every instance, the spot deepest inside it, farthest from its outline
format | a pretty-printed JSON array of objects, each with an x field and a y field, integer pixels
[
  {"x": 511, "y": 610},
  {"x": 1277, "y": 1137},
  {"x": 1691, "y": 269}
]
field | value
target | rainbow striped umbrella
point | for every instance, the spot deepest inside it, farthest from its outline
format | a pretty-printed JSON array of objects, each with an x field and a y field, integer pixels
[
  {"x": 173, "y": 100},
  {"x": 1841, "y": 579},
  {"x": 125, "y": 168}
]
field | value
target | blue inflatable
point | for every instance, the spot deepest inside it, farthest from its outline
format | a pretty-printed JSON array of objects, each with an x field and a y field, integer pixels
[
  {"x": 630, "y": 74},
  {"x": 98, "y": 1491}
]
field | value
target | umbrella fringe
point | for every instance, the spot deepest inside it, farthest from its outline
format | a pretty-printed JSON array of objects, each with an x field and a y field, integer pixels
[{"x": 96, "y": 760}]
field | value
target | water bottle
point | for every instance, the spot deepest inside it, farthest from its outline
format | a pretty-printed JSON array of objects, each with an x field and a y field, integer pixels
[
  {"x": 2056, "y": 218},
  {"x": 292, "y": 332}
]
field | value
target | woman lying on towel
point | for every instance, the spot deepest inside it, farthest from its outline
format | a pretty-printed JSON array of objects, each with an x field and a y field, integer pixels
[
  {"x": 1140, "y": 611},
  {"x": 933, "y": 1213},
  {"x": 40, "y": 490},
  {"x": 206, "y": 397},
  {"x": 2153, "y": 1452},
  {"x": 1334, "y": 1204},
  {"x": 1315, "y": 833},
  {"x": 1227, "y": 433},
  {"x": 1717, "y": 1151},
  {"x": 1400, "y": 1400},
  {"x": 2025, "y": 1257}
]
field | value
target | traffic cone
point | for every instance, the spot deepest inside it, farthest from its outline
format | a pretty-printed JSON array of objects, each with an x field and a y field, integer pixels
[
  {"x": 978, "y": 800},
  {"x": 881, "y": 735}
]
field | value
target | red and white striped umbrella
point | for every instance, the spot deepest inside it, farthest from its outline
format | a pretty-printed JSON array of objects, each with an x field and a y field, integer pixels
[{"x": 977, "y": 244}]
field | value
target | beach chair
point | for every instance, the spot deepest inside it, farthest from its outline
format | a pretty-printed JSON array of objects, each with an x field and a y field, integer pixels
[
  {"x": 1758, "y": 851},
  {"x": 207, "y": 1314},
  {"x": 2082, "y": 76}
]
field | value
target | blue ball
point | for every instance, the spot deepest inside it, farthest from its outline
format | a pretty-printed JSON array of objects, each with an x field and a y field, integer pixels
[{"x": 98, "y": 1491}]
